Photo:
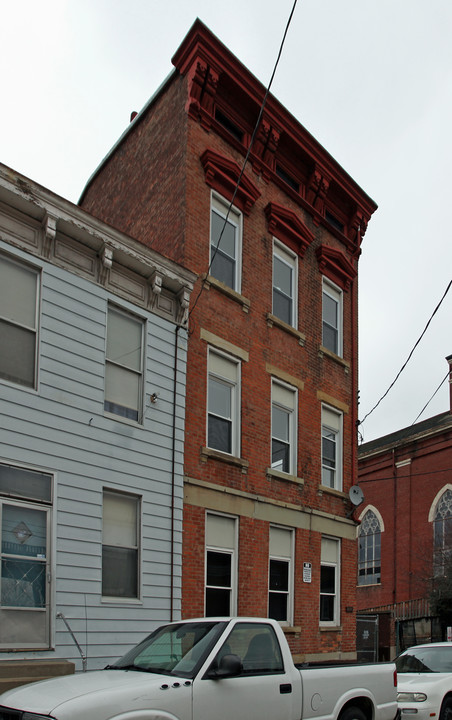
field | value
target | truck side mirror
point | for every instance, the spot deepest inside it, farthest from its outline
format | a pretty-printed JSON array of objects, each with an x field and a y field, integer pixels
[{"x": 229, "y": 666}]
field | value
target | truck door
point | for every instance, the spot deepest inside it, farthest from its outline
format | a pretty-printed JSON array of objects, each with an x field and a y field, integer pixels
[{"x": 263, "y": 689}]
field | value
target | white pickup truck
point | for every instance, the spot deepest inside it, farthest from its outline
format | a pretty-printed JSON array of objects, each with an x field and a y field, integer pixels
[{"x": 221, "y": 668}]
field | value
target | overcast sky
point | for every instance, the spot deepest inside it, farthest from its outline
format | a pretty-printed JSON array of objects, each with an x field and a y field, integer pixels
[{"x": 370, "y": 79}]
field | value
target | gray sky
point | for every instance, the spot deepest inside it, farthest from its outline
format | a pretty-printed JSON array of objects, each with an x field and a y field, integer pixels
[{"x": 370, "y": 79}]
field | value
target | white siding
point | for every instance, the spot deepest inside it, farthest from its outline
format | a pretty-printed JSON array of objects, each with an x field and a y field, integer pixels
[{"x": 62, "y": 428}]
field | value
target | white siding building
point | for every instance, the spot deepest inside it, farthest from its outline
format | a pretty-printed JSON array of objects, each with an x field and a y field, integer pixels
[{"x": 93, "y": 349}]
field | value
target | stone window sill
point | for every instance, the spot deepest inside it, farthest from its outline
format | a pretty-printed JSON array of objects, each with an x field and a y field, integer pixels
[
  {"x": 272, "y": 473},
  {"x": 323, "y": 351},
  {"x": 207, "y": 453},
  {"x": 330, "y": 628},
  {"x": 229, "y": 292},
  {"x": 332, "y": 491},
  {"x": 272, "y": 320}
]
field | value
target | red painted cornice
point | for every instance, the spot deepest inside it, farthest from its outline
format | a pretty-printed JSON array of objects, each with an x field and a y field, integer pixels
[
  {"x": 335, "y": 266},
  {"x": 286, "y": 226},
  {"x": 222, "y": 175},
  {"x": 202, "y": 56}
]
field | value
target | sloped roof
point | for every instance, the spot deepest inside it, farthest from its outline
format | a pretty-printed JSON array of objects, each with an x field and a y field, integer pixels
[{"x": 433, "y": 425}]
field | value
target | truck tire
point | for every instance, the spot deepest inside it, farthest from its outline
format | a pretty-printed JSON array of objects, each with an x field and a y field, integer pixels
[
  {"x": 446, "y": 710},
  {"x": 355, "y": 713}
]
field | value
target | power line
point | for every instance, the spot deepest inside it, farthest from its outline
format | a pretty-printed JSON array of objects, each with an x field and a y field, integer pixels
[
  {"x": 429, "y": 401},
  {"x": 409, "y": 356},
  {"x": 253, "y": 136}
]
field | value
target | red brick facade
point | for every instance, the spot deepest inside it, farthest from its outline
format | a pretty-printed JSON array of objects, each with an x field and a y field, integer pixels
[
  {"x": 406, "y": 480},
  {"x": 186, "y": 147}
]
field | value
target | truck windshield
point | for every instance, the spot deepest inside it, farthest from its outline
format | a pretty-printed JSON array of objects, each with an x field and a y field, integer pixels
[
  {"x": 178, "y": 649},
  {"x": 425, "y": 660}
]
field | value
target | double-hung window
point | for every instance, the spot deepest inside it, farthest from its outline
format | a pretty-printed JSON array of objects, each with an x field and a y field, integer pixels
[
  {"x": 124, "y": 364},
  {"x": 331, "y": 448},
  {"x": 280, "y": 584},
  {"x": 284, "y": 284},
  {"x": 223, "y": 403},
  {"x": 329, "y": 581},
  {"x": 120, "y": 545},
  {"x": 225, "y": 243},
  {"x": 19, "y": 288},
  {"x": 332, "y": 317},
  {"x": 221, "y": 560},
  {"x": 284, "y": 428}
]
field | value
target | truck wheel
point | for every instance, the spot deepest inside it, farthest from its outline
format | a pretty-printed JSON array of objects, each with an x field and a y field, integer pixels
[
  {"x": 355, "y": 713},
  {"x": 446, "y": 710}
]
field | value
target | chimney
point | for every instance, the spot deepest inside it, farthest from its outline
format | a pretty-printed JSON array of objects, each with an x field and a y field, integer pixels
[{"x": 449, "y": 360}]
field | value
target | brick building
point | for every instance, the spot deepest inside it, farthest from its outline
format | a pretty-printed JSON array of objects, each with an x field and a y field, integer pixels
[
  {"x": 270, "y": 450},
  {"x": 404, "y": 535}
]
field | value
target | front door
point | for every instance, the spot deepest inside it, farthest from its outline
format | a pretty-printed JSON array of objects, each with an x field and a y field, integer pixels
[{"x": 24, "y": 586}]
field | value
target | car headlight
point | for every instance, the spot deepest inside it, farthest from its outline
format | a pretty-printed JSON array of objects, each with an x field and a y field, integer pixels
[{"x": 408, "y": 697}]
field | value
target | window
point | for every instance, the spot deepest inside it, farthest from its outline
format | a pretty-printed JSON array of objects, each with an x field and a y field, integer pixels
[
  {"x": 329, "y": 582},
  {"x": 332, "y": 318},
  {"x": 284, "y": 285},
  {"x": 280, "y": 600},
  {"x": 18, "y": 322},
  {"x": 258, "y": 647},
  {"x": 369, "y": 557},
  {"x": 123, "y": 371},
  {"x": 221, "y": 543},
  {"x": 284, "y": 428},
  {"x": 442, "y": 534},
  {"x": 25, "y": 593},
  {"x": 225, "y": 243},
  {"x": 120, "y": 556},
  {"x": 331, "y": 448},
  {"x": 223, "y": 403}
]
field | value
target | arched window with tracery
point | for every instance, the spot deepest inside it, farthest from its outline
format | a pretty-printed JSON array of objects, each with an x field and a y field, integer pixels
[
  {"x": 369, "y": 553},
  {"x": 442, "y": 533}
]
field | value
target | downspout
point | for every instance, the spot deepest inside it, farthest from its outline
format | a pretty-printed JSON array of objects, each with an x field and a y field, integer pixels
[
  {"x": 173, "y": 473},
  {"x": 354, "y": 292},
  {"x": 394, "y": 523}
]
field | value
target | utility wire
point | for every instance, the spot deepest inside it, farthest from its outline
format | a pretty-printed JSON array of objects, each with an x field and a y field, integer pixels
[
  {"x": 409, "y": 356},
  {"x": 429, "y": 401},
  {"x": 253, "y": 136}
]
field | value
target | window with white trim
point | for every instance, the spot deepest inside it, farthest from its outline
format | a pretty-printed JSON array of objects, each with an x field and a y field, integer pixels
[
  {"x": 284, "y": 284},
  {"x": 223, "y": 403},
  {"x": 329, "y": 581},
  {"x": 120, "y": 544},
  {"x": 332, "y": 334},
  {"x": 225, "y": 242},
  {"x": 284, "y": 428},
  {"x": 331, "y": 448},
  {"x": 280, "y": 582},
  {"x": 221, "y": 562},
  {"x": 369, "y": 552},
  {"x": 124, "y": 364},
  {"x": 19, "y": 291}
]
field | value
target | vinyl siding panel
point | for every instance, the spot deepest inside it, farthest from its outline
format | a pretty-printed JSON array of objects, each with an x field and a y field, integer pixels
[{"x": 62, "y": 429}]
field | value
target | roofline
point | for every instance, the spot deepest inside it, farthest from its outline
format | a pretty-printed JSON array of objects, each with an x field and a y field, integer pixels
[{"x": 398, "y": 439}]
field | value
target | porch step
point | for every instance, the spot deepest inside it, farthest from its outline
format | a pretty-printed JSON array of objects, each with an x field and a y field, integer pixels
[{"x": 20, "y": 672}]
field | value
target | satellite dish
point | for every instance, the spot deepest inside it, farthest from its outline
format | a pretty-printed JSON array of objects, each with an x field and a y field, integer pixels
[{"x": 356, "y": 495}]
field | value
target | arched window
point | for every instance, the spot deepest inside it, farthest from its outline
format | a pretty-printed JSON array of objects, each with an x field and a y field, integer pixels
[
  {"x": 442, "y": 533},
  {"x": 369, "y": 558}
]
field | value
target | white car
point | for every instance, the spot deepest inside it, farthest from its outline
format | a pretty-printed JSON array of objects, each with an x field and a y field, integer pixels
[{"x": 424, "y": 682}]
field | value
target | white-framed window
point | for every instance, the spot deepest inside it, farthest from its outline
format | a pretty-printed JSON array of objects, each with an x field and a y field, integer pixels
[
  {"x": 124, "y": 364},
  {"x": 280, "y": 582},
  {"x": 221, "y": 565},
  {"x": 369, "y": 550},
  {"x": 284, "y": 427},
  {"x": 121, "y": 514},
  {"x": 19, "y": 304},
  {"x": 225, "y": 242},
  {"x": 332, "y": 317},
  {"x": 25, "y": 555},
  {"x": 329, "y": 581},
  {"x": 285, "y": 284},
  {"x": 332, "y": 448},
  {"x": 223, "y": 403}
]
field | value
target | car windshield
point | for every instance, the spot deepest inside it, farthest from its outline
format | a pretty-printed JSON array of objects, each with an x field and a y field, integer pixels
[
  {"x": 425, "y": 660},
  {"x": 177, "y": 649}
]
